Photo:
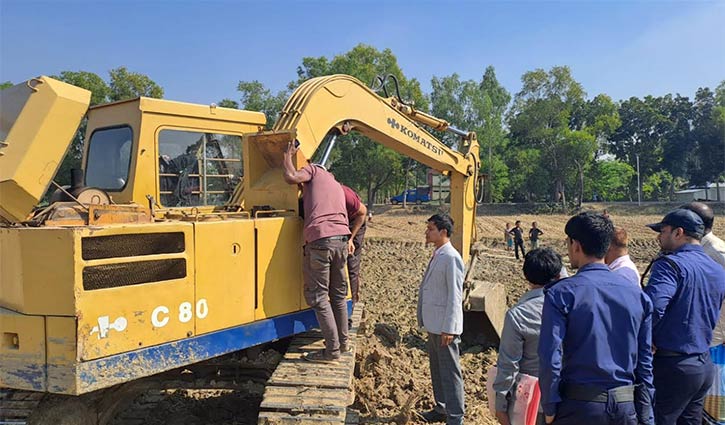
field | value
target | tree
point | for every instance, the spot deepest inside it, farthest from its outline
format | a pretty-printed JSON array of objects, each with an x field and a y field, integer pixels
[
  {"x": 128, "y": 85},
  {"x": 377, "y": 167},
  {"x": 479, "y": 107},
  {"x": 540, "y": 119},
  {"x": 641, "y": 134},
  {"x": 610, "y": 180},
  {"x": 708, "y": 134},
  {"x": 228, "y": 103},
  {"x": 255, "y": 97},
  {"x": 5, "y": 85}
]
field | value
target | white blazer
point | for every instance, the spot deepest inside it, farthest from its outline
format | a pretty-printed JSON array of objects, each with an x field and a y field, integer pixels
[{"x": 440, "y": 296}]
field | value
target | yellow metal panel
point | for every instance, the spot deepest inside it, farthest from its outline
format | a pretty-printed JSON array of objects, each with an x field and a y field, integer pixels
[
  {"x": 37, "y": 270},
  {"x": 37, "y": 124},
  {"x": 279, "y": 266},
  {"x": 224, "y": 274},
  {"x": 123, "y": 318},
  {"x": 61, "y": 349},
  {"x": 22, "y": 351}
]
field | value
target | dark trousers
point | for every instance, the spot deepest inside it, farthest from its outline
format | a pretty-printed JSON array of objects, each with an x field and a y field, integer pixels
[
  {"x": 353, "y": 267},
  {"x": 353, "y": 263},
  {"x": 519, "y": 244},
  {"x": 680, "y": 387},
  {"x": 446, "y": 377},
  {"x": 326, "y": 289},
  {"x": 575, "y": 412}
]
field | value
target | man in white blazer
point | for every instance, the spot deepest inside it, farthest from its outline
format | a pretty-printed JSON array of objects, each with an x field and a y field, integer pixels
[{"x": 440, "y": 312}]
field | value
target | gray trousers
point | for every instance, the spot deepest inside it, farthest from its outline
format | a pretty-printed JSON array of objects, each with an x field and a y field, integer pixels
[
  {"x": 326, "y": 289},
  {"x": 445, "y": 373}
]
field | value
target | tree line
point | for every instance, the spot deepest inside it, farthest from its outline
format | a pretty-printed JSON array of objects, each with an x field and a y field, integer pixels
[{"x": 550, "y": 141}]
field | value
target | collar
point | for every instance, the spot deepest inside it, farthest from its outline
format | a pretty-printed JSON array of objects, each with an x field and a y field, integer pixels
[
  {"x": 534, "y": 293},
  {"x": 438, "y": 250},
  {"x": 620, "y": 260},
  {"x": 593, "y": 266},
  {"x": 688, "y": 248}
]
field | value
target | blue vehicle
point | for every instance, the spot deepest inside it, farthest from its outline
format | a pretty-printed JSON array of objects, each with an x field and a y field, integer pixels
[{"x": 416, "y": 196}]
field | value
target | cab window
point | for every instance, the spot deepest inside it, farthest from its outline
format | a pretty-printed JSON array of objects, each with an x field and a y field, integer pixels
[
  {"x": 197, "y": 168},
  {"x": 109, "y": 158}
]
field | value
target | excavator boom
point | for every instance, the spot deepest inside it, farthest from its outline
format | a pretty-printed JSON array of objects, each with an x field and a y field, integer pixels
[{"x": 342, "y": 103}]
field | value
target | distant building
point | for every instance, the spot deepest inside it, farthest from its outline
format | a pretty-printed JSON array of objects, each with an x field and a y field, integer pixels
[{"x": 709, "y": 193}]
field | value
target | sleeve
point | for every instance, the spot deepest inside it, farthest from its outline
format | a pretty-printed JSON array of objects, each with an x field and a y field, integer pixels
[
  {"x": 660, "y": 288},
  {"x": 553, "y": 331},
  {"x": 643, "y": 379},
  {"x": 510, "y": 352},
  {"x": 453, "y": 318},
  {"x": 309, "y": 172}
]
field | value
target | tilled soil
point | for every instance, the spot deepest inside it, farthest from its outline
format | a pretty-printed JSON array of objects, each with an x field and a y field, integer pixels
[{"x": 393, "y": 379}]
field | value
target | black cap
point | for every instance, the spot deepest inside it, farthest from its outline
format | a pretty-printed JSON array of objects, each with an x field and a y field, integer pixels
[{"x": 686, "y": 219}]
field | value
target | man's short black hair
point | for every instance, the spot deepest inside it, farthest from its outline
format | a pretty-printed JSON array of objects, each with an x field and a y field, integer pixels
[
  {"x": 704, "y": 211},
  {"x": 593, "y": 231},
  {"x": 542, "y": 266},
  {"x": 441, "y": 222}
]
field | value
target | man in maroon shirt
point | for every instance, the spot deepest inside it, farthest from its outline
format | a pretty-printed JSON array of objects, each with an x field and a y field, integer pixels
[
  {"x": 357, "y": 217},
  {"x": 326, "y": 234}
]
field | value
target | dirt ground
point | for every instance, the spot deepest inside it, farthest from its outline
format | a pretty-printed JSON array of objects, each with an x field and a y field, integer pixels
[{"x": 392, "y": 375}]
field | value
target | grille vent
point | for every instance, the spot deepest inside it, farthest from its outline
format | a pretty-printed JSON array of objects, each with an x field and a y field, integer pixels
[
  {"x": 134, "y": 273},
  {"x": 113, "y": 246}
]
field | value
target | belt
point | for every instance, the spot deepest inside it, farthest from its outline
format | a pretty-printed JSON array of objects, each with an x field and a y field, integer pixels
[
  {"x": 337, "y": 238},
  {"x": 667, "y": 353},
  {"x": 591, "y": 393}
]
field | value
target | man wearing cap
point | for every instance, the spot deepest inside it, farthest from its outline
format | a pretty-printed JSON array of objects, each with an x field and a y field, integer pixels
[
  {"x": 714, "y": 247},
  {"x": 687, "y": 289},
  {"x": 595, "y": 350}
]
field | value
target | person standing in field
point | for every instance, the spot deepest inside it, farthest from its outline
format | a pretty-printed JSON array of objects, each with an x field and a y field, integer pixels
[
  {"x": 517, "y": 351},
  {"x": 508, "y": 238},
  {"x": 595, "y": 348},
  {"x": 534, "y": 234},
  {"x": 440, "y": 313},
  {"x": 687, "y": 289},
  {"x": 617, "y": 257},
  {"x": 357, "y": 214},
  {"x": 518, "y": 233}
]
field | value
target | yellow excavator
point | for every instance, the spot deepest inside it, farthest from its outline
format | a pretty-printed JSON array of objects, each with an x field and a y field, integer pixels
[{"x": 179, "y": 241}]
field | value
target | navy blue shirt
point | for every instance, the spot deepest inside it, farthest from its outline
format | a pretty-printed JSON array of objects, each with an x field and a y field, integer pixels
[
  {"x": 686, "y": 304},
  {"x": 596, "y": 330}
]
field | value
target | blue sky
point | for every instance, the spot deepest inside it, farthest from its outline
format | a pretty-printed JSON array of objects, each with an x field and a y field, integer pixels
[{"x": 199, "y": 50}]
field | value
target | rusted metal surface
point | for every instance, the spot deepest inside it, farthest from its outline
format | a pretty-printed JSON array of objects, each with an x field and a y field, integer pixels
[{"x": 302, "y": 392}]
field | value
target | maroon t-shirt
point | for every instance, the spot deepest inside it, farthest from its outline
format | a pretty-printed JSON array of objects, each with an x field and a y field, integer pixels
[
  {"x": 352, "y": 202},
  {"x": 324, "y": 203}
]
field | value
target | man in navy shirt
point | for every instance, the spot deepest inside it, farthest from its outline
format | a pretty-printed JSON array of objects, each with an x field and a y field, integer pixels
[
  {"x": 687, "y": 289},
  {"x": 595, "y": 349}
]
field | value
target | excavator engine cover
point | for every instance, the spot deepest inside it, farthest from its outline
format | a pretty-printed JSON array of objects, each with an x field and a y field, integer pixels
[{"x": 38, "y": 119}]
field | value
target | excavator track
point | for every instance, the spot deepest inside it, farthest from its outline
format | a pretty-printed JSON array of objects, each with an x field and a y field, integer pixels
[
  {"x": 312, "y": 393},
  {"x": 292, "y": 387}
]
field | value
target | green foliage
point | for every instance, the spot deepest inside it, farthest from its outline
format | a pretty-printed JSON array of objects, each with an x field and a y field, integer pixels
[
  {"x": 228, "y": 103},
  {"x": 100, "y": 91},
  {"x": 550, "y": 114},
  {"x": 128, "y": 85},
  {"x": 255, "y": 97},
  {"x": 479, "y": 107},
  {"x": 610, "y": 180},
  {"x": 5, "y": 85},
  {"x": 656, "y": 187}
]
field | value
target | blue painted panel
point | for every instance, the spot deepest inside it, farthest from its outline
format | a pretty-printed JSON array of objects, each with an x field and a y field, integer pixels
[{"x": 108, "y": 371}]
